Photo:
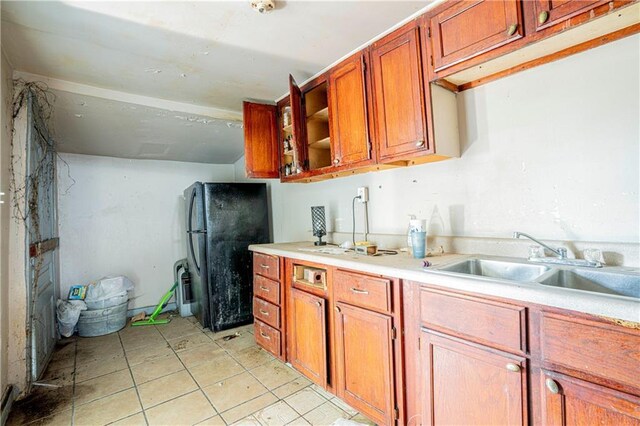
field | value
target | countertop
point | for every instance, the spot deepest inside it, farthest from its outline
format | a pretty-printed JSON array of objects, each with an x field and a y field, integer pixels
[{"x": 405, "y": 267}]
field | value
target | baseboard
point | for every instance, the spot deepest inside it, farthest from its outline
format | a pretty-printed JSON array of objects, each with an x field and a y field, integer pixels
[
  {"x": 7, "y": 401},
  {"x": 149, "y": 309}
]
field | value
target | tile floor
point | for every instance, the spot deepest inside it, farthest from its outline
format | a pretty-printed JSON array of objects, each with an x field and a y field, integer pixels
[{"x": 175, "y": 374}]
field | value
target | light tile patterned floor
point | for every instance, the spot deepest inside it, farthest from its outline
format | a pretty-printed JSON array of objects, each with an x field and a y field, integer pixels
[{"x": 175, "y": 374}]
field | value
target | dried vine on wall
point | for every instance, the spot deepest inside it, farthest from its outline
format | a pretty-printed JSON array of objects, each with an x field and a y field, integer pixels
[{"x": 27, "y": 189}]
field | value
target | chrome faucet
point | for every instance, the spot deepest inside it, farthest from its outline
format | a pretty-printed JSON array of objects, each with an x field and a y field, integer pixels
[{"x": 560, "y": 252}]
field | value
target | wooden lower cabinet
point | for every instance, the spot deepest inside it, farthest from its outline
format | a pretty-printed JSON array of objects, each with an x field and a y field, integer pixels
[
  {"x": 364, "y": 358},
  {"x": 308, "y": 334},
  {"x": 468, "y": 384},
  {"x": 570, "y": 401}
]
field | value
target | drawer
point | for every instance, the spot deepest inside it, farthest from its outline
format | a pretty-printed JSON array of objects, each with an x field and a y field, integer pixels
[
  {"x": 266, "y": 289},
  {"x": 267, "y": 266},
  {"x": 494, "y": 324},
  {"x": 609, "y": 352},
  {"x": 267, "y": 337},
  {"x": 362, "y": 290},
  {"x": 266, "y": 312}
]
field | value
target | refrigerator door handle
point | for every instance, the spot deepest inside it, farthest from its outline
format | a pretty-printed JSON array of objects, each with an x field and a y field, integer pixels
[
  {"x": 198, "y": 231},
  {"x": 190, "y": 231}
]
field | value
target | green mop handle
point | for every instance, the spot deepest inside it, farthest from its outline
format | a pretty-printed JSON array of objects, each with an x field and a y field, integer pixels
[{"x": 163, "y": 302}]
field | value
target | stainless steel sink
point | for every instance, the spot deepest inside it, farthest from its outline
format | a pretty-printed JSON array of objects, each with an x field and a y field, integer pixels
[
  {"x": 616, "y": 283},
  {"x": 512, "y": 271}
]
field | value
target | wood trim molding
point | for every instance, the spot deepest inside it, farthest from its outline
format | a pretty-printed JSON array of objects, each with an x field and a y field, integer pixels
[{"x": 599, "y": 41}]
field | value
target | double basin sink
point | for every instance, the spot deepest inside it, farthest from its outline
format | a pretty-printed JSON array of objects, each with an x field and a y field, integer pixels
[{"x": 617, "y": 283}]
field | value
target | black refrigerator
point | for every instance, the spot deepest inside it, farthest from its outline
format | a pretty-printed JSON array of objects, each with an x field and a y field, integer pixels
[{"x": 223, "y": 219}]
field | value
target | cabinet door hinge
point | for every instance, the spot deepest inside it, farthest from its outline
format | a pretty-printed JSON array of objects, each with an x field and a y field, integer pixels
[
  {"x": 394, "y": 333},
  {"x": 429, "y": 32},
  {"x": 431, "y": 60},
  {"x": 419, "y": 344},
  {"x": 396, "y": 413}
]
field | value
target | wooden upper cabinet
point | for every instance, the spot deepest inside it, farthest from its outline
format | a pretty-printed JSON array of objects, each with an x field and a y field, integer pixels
[
  {"x": 469, "y": 28},
  {"x": 398, "y": 93},
  {"x": 364, "y": 352},
  {"x": 550, "y": 12},
  {"x": 569, "y": 401},
  {"x": 298, "y": 123},
  {"x": 467, "y": 384},
  {"x": 348, "y": 112},
  {"x": 260, "y": 140},
  {"x": 308, "y": 349}
]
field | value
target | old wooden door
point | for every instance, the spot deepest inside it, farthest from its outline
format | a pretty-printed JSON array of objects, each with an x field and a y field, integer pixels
[{"x": 42, "y": 269}]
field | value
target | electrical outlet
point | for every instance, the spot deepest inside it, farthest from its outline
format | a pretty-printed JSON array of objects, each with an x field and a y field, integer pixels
[{"x": 363, "y": 193}]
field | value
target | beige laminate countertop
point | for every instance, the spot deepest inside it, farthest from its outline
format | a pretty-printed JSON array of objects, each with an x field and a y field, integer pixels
[{"x": 407, "y": 268}]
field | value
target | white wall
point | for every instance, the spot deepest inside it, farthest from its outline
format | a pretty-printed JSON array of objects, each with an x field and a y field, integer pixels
[
  {"x": 6, "y": 87},
  {"x": 553, "y": 151},
  {"x": 125, "y": 217}
]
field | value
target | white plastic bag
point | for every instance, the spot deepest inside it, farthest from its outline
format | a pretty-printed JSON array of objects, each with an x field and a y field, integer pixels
[
  {"x": 68, "y": 312},
  {"x": 108, "y": 292}
]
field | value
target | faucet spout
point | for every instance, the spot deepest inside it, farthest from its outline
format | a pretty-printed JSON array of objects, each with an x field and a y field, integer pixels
[{"x": 561, "y": 252}]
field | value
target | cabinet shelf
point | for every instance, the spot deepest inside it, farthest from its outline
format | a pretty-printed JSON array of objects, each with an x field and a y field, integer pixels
[
  {"x": 288, "y": 152},
  {"x": 287, "y": 129},
  {"x": 322, "y": 115},
  {"x": 321, "y": 144}
]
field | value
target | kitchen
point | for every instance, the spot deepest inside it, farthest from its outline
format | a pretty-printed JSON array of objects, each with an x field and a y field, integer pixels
[{"x": 502, "y": 134}]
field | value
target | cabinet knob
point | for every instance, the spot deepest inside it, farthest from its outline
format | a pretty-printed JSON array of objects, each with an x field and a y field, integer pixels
[
  {"x": 338, "y": 310},
  {"x": 420, "y": 143},
  {"x": 552, "y": 385},
  {"x": 512, "y": 29},
  {"x": 319, "y": 304},
  {"x": 336, "y": 161},
  {"x": 513, "y": 367},
  {"x": 542, "y": 17}
]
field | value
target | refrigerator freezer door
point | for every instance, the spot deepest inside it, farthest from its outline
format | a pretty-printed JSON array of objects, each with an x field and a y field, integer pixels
[
  {"x": 237, "y": 216},
  {"x": 196, "y": 252}
]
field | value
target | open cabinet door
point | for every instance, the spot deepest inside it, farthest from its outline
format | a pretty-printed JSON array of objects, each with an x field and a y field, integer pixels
[
  {"x": 260, "y": 140},
  {"x": 299, "y": 125}
]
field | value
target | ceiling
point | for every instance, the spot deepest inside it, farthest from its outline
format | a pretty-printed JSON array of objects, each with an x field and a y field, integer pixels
[
  {"x": 213, "y": 54},
  {"x": 97, "y": 126}
]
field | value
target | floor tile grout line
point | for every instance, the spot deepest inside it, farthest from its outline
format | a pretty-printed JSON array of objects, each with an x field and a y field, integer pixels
[
  {"x": 194, "y": 380},
  {"x": 73, "y": 391},
  {"x": 134, "y": 381}
]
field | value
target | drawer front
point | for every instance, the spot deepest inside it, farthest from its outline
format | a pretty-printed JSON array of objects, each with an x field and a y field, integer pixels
[
  {"x": 266, "y": 289},
  {"x": 494, "y": 324},
  {"x": 267, "y": 337},
  {"x": 364, "y": 291},
  {"x": 607, "y": 352},
  {"x": 267, "y": 266},
  {"x": 266, "y": 312}
]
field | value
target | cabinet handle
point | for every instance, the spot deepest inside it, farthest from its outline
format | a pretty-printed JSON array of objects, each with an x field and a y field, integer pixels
[
  {"x": 319, "y": 304},
  {"x": 264, "y": 289},
  {"x": 552, "y": 385},
  {"x": 420, "y": 143},
  {"x": 512, "y": 29},
  {"x": 513, "y": 367},
  {"x": 542, "y": 17},
  {"x": 265, "y": 336},
  {"x": 358, "y": 291},
  {"x": 338, "y": 310},
  {"x": 336, "y": 161},
  {"x": 265, "y": 313},
  {"x": 264, "y": 266}
]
